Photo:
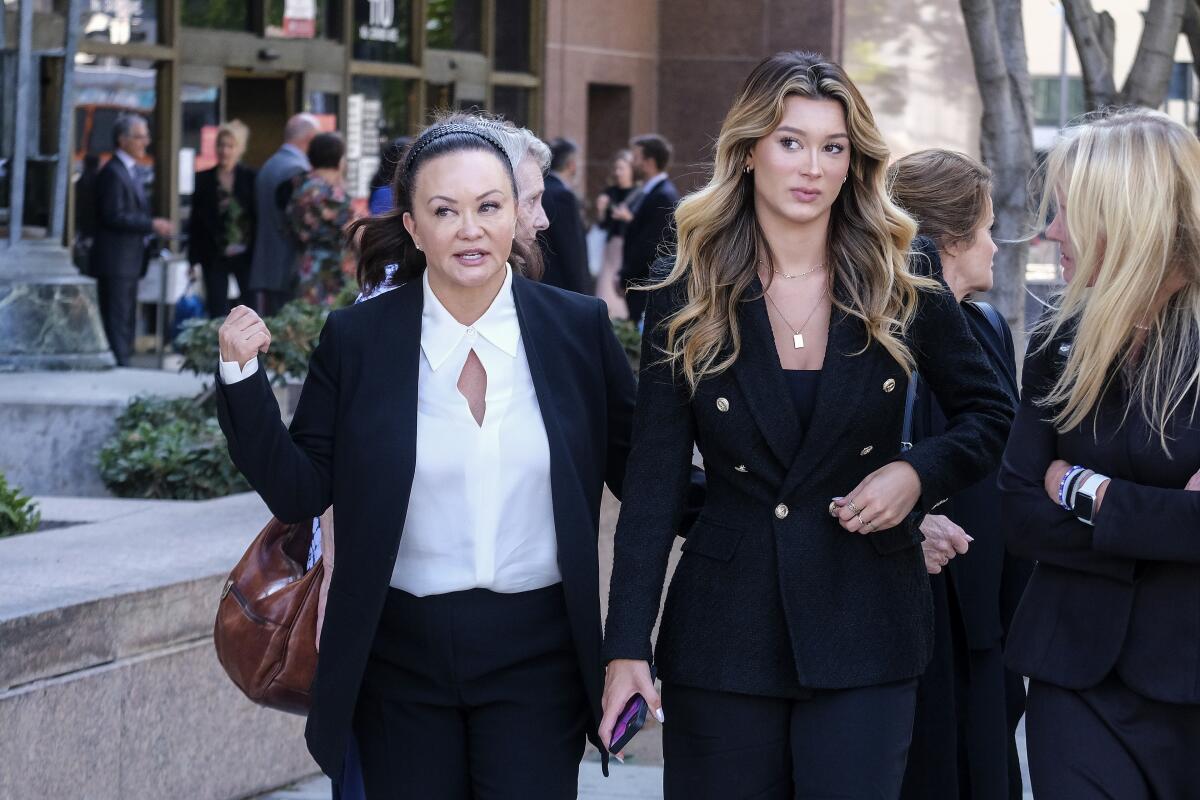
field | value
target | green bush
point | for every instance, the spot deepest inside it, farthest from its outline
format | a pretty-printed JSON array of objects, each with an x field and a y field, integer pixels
[
  {"x": 630, "y": 339},
  {"x": 18, "y": 513},
  {"x": 169, "y": 449},
  {"x": 295, "y": 331}
]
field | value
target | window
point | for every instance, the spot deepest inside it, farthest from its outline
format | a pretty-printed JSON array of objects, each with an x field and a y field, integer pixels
[
  {"x": 119, "y": 21},
  {"x": 377, "y": 111},
  {"x": 513, "y": 103},
  {"x": 383, "y": 30},
  {"x": 454, "y": 25},
  {"x": 303, "y": 19},
  {"x": 1046, "y": 94},
  {"x": 1181, "y": 82},
  {"x": 512, "y": 26},
  {"x": 228, "y": 15}
]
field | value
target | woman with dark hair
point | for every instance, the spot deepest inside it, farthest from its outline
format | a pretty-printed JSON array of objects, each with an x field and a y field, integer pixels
[
  {"x": 780, "y": 344},
  {"x": 381, "y": 183},
  {"x": 968, "y": 706},
  {"x": 221, "y": 227},
  {"x": 320, "y": 211},
  {"x": 463, "y": 425}
]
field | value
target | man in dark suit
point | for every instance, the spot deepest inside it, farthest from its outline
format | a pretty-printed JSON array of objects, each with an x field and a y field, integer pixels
[
  {"x": 564, "y": 244},
  {"x": 124, "y": 228},
  {"x": 650, "y": 212}
]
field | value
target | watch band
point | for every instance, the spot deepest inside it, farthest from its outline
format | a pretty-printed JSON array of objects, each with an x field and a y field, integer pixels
[{"x": 1085, "y": 498}]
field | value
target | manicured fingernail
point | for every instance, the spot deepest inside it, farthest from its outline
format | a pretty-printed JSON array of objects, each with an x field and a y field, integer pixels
[
  {"x": 619, "y": 757},
  {"x": 659, "y": 715},
  {"x": 970, "y": 538}
]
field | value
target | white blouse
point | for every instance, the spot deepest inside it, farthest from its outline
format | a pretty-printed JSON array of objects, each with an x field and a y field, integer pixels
[{"x": 480, "y": 513}]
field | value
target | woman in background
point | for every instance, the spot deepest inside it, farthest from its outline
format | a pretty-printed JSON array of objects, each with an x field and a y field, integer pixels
[
  {"x": 613, "y": 196},
  {"x": 968, "y": 707},
  {"x": 221, "y": 227},
  {"x": 1101, "y": 477},
  {"x": 320, "y": 211},
  {"x": 381, "y": 182}
]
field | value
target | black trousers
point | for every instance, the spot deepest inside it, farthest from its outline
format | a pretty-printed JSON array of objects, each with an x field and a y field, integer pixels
[
  {"x": 968, "y": 708},
  {"x": 216, "y": 283},
  {"x": 118, "y": 311},
  {"x": 266, "y": 302},
  {"x": 848, "y": 743},
  {"x": 1110, "y": 742},
  {"x": 472, "y": 695}
]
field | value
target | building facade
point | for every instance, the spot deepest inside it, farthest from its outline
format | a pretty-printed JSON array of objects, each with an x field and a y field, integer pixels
[{"x": 597, "y": 72}]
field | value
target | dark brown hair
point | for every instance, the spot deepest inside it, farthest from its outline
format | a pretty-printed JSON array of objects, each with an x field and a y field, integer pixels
[
  {"x": 944, "y": 191},
  {"x": 382, "y": 240},
  {"x": 656, "y": 147}
]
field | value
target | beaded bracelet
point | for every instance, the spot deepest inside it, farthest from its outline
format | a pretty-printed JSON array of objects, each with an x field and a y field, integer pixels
[
  {"x": 1073, "y": 487},
  {"x": 1062, "y": 486}
]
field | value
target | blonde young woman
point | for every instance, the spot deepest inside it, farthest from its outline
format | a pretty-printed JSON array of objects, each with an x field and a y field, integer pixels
[
  {"x": 781, "y": 343},
  {"x": 1100, "y": 478}
]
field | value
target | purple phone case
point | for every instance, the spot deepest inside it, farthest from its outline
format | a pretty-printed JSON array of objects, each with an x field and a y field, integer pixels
[{"x": 632, "y": 718}]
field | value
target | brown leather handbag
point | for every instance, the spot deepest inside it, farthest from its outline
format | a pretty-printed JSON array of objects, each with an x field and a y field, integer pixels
[{"x": 266, "y": 629}]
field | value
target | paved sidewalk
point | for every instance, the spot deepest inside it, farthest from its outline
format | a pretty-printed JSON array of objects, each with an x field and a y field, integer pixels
[{"x": 624, "y": 783}]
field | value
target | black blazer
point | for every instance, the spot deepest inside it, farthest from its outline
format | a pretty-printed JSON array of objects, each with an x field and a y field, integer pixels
[
  {"x": 1124, "y": 595},
  {"x": 352, "y": 443},
  {"x": 206, "y": 239},
  {"x": 564, "y": 243},
  {"x": 652, "y": 226},
  {"x": 123, "y": 224},
  {"x": 771, "y": 595},
  {"x": 977, "y": 576}
]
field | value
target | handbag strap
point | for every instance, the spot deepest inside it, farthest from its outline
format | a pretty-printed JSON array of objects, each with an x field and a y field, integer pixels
[
  {"x": 993, "y": 317},
  {"x": 910, "y": 404}
]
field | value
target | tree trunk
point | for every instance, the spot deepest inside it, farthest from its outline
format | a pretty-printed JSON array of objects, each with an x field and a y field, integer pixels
[
  {"x": 997, "y": 39},
  {"x": 1191, "y": 29},
  {"x": 1150, "y": 77},
  {"x": 1092, "y": 34}
]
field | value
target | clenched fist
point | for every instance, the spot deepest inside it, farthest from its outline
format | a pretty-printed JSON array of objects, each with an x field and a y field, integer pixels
[{"x": 243, "y": 336}]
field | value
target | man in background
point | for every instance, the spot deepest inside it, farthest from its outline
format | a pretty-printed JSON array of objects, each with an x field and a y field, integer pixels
[
  {"x": 273, "y": 266},
  {"x": 564, "y": 243},
  {"x": 650, "y": 213},
  {"x": 123, "y": 234}
]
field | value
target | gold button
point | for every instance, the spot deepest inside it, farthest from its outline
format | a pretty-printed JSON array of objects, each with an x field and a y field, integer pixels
[
  {"x": 741, "y": 468},
  {"x": 889, "y": 385},
  {"x": 781, "y": 511},
  {"x": 722, "y": 404},
  {"x": 866, "y": 450}
]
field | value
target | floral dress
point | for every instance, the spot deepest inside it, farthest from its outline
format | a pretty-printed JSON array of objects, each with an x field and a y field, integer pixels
[{"x": 319, "y": 213}]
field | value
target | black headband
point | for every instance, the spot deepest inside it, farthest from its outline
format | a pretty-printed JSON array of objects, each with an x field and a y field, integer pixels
[{"x": 439, "y": 131}]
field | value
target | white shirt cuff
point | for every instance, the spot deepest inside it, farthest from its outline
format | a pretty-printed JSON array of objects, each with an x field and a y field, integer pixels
[{"x": 231, "y": 373}]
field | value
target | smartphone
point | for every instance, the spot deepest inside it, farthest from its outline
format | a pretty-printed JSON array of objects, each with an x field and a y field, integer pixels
[{"x": 631, "y": 720}]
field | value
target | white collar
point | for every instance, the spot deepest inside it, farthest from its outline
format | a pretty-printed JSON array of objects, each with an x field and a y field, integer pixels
[
  {"x": 441, "y": 333},
  {"x": 129, "y": 161},
  {"x": 649, "y": 185}
]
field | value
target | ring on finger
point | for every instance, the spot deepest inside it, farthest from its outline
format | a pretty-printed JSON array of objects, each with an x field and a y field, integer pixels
[
  {"x": 853, "y": 508},
  {"x": 860, "y": 520}
]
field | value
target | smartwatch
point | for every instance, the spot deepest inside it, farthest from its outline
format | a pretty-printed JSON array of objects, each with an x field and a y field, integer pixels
[{"x": 1084, "y": 502}]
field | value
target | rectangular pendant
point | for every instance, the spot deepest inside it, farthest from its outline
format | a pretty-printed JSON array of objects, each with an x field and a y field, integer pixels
[{"x": 798, "y": 340}]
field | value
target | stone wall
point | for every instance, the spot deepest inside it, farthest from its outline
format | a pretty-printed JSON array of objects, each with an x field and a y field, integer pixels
[{"x": 109, "y": 685}]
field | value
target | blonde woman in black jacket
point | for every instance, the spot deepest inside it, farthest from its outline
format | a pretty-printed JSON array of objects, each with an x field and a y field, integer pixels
[{"x": 781, "y": 343}]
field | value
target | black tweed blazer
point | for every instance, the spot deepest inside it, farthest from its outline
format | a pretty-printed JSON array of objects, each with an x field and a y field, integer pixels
[{"x": 771, "y": 596}]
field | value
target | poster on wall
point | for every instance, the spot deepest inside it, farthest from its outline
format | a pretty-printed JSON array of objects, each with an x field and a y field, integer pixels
[
  {"x": 300, "y": 19},
  {"x": 363, "y": 115}
]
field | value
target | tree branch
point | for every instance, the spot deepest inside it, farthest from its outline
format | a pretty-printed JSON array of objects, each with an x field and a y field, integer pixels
[
  {"x": 1150, "y": 77},
  {"x": 1093, "y": 42}
]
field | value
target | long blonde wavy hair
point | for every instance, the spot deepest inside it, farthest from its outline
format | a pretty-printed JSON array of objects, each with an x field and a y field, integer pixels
[
  {"x": 720, "y": 241},
  {"x": 1130, "y": 181}
]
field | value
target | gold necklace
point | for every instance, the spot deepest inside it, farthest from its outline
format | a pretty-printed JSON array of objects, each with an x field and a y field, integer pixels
[
  {"x": 797, "y": 275},
  {"x": 797, "y": 333}
]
